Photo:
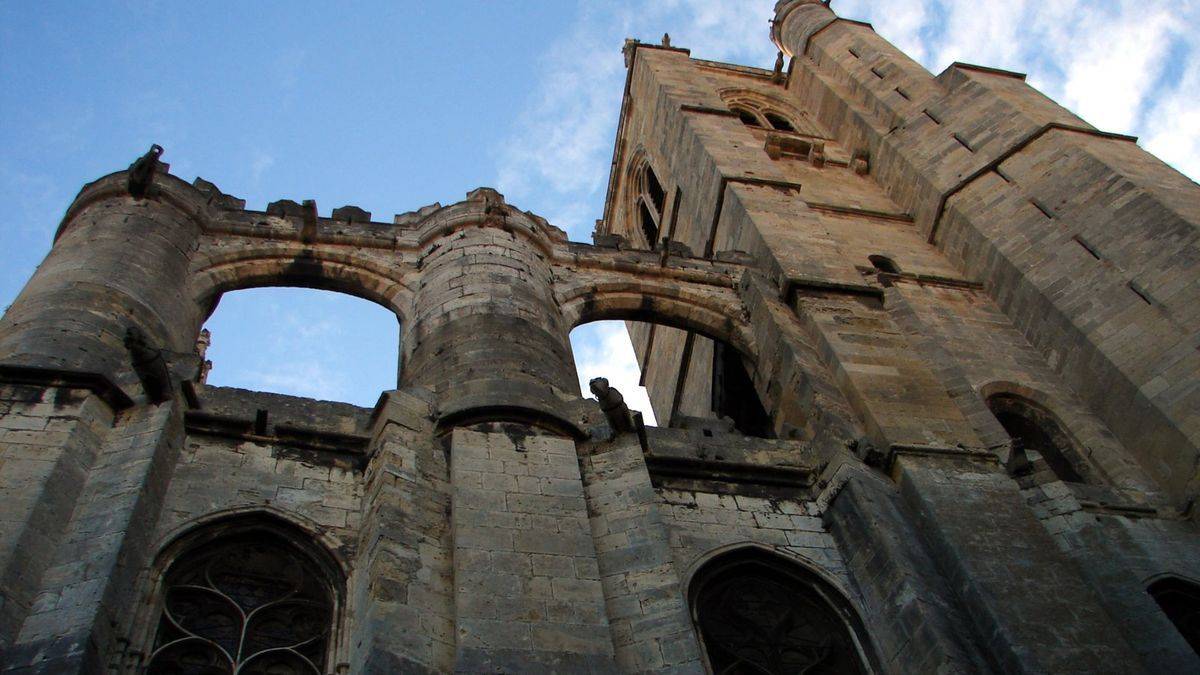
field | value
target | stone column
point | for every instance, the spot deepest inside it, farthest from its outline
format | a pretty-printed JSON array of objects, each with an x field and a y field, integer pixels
[
  {"x": 82, "y": 464},
  {"x": 402, "y": 590},
  {"x": 911, "y": 613},
  {"x": 651, "y": 628},
  {"x": 117, "y": 262},
  {"x": 486, "y": 333}
]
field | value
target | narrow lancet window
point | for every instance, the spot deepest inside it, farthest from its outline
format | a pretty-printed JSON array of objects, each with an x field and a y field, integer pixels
[
  {"x": 734, "y": 395},
  {"x": 649, "y": 201},
  {"x": 1180, "y": 601}
]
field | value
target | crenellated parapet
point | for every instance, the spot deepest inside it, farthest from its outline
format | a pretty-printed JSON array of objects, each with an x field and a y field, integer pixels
[{"x": 486, "y": 293}]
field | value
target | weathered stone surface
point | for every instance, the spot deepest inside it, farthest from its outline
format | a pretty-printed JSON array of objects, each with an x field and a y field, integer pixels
[{"x": 860, "y": 258}]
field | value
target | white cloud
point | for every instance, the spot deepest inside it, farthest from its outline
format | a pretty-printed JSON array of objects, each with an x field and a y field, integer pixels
[
  {"x": 603, "y": 349},
  {"x": 1108, "y": 60},
  {"x": 259, "y": 165},
  {"x": 900, "y": 21},
  {"x": 1174, "y": 123},
  {"x": 311, "y": 379},
  {"x": 556, "y": 161}
]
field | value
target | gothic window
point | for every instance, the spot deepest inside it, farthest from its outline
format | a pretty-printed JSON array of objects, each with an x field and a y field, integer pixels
[
  {"x": 779, "y": 122},
  {"x": 651, "y": 199},
  {"x": 1038, "y": 439},
  {"x": 747, "y": 117},
  {"x": 250, "y": 604},
  {"x": 761, "y": 616},
  {"x": 1180, "y": 601},
  {"x": 762, "y": 112},
  {"x": 884, "y": 264}
]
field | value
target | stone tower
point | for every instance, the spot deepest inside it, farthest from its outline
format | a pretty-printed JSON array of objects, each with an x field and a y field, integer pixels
[{"x": 924, "y": 351}]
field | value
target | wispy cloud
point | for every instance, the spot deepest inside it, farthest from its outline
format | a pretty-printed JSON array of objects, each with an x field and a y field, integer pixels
[
  {"x": 311, "y": 379},
  {"x": 1127, "y": 66},
  {"x": 259, "y": 165},
  {"x": 556, "y": 161}
]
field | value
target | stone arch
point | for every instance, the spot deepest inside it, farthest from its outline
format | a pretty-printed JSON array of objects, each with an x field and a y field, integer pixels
[
  {"x": 318, "y": 565},
  {"x": 770, "y": 112},
  {"x": 738, "y": 390},
  {"x": 1179, "y": 599},
  {"x": 663, "y": 303},
  {"x": 1097, "y": 454},
  {"x": 1027, "y": 417},
  {"x": 288, "y": 266},
  {"x": 812, "y": 624}
]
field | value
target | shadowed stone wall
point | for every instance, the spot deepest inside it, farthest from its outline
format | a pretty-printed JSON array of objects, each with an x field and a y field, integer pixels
[{"x": 875, "y": 270}]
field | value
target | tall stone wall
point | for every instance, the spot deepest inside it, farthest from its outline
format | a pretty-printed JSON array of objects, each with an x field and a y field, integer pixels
[{"x": 906, "y": 249}]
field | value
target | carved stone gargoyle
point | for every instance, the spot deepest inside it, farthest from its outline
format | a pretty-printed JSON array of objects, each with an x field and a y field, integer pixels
[
  {"x": 865, "y": 450},
  {"x": 141, "y": 172},
  {"x": 613, "y": 405},
  {"x": 149, "y": 364}
]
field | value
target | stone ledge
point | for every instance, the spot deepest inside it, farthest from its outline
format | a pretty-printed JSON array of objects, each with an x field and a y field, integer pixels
[{"x": 96, "y": 383}]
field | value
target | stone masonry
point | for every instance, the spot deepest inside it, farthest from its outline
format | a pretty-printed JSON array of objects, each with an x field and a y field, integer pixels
[{"x": 925, "y": 351}]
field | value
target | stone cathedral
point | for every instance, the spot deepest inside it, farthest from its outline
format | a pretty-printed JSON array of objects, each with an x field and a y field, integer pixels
[{"x": 925, "y": 353}]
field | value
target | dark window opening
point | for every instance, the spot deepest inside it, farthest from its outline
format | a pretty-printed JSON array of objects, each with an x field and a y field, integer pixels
[
  {"x": 654, "y": 189},
  {"x": 248, "y": 604},
  {"x": 734, "y": 395},
  {"x": 649, "y": 227},
  {"x": 760, "y": 617},
  {"x": 1180, "y": 601},
  {"x": 1033, "y": 429},
  {"x": 748, "y": 118},
  {"x": 779, "y": 122},
  {"x": 884, "y": 264}
]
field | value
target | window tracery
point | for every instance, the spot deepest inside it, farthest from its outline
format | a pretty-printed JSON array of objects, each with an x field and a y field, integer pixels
[
  {"x": 760, "y": 112},
  {"x": 247, "y": 605},
  {"x": 758, "y": 618},
  {"x": 649, "y": 203}
]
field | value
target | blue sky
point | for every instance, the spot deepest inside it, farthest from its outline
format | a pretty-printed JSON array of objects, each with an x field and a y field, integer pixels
[{"x": 393, "y": 105}]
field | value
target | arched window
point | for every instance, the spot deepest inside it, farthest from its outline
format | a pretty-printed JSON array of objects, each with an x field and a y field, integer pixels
[
  {"x": 764, "y": 112},
  {"x": 884, "y": 264},
  {"x": 779, "y": 122},
  {"x": 747, "y": 117},
  {"x": 759, "y": 614},
  {"x": 1037, "y": 437},
  {"x": 651, "y": 200},
  {"x": 1180, "y": 601},
  {"x": 247, "y": 603}
]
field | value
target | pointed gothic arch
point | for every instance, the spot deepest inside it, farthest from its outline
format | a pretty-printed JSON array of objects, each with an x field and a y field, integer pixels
[
  {"x": 1039, "y": 438},
  {"x": 761, "y": 111},
  {"x": 757, "y": 612},
  {"x": 245, "y": 593},
  {"x": 1179, "y": 599},
  {"x": 646, "y": 201}
]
